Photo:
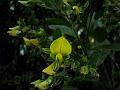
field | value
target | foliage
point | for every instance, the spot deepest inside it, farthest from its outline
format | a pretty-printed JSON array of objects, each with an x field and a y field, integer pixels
[{"x": 74, "y": 38}]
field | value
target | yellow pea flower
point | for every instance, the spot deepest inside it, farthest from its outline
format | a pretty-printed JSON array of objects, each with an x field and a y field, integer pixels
[
  {"x": 31, "y": 42},
  {"x": 66, "y": 2},
  {"x": 14, "y": 31},
  {"x": 77, "y": 9},
  {"x": 59, "y": 48},
  {"x": 61, "y": 45}
]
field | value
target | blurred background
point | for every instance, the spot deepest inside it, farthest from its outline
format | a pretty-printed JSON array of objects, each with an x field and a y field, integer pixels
[{"x": 17, "y": 71}]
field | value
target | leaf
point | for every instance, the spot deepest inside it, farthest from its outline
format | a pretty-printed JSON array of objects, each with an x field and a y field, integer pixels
[
  {"x": 50, "y": 69},
  {"x": 64, "y": 29},
  {"x": 97, "y": 57},
  {"x": 46, "y": 50},
  {"x": 36, "y": 82},
  {"x": 114, "y": 47},
  {"x": 58, "y": 21},
  {"x": 61, "y": 45},
  {"x": 50, "y": 4},
  {"x": 43, "y": 84},
  {"x": 24, "y": 2},
  {"x": 15, "y": 28}
]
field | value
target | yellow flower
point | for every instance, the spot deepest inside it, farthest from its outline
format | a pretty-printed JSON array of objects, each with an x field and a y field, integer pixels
[
  {"x": 77, "y": 9},
  {"x": 14, "y": 31},
  {"x": 61, "y": 45},
  {"x": 31, "y": 42},
  {"x": 59, "y": 48},
  {"x": 66, "y": 2}
]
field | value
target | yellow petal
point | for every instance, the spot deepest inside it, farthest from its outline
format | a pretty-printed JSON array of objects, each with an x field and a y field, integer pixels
[
  {"x": 59, "y": 57},
  {"x": 31, "y": 42},
  {"x": 61, "y": 45},
  {"x": 65, "y": 48},
  {"x": 34, "y": 42},
  {"x": 50, "y": 69},
  {"x": 13, "y": 32},
  {"x": 15, "y": 28},
  {"x": 77, "y": 9},
  {"x": 66, "y": 2},
  {"x": 27, "y": 41}
]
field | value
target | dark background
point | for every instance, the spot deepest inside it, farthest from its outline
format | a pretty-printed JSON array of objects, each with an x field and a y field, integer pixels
[{"x": 16, "y": 73}]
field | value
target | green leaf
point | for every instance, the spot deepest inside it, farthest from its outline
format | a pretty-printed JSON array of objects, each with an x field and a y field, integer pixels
[
  {"x": 25, "y": 3},
  {"x": 36, "y": 82},
  {"x": 46, "y": 50},
  {"x": 61, "y": 45},
  {"x": 15, "y": 28},
  {"x": 43, "y": 84},
  {"x": 97, "y": 57},
  {"x": 114, "y": 47},
  {"x": 64, "y": 29},
  {"x": 31, "y": 2}
]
